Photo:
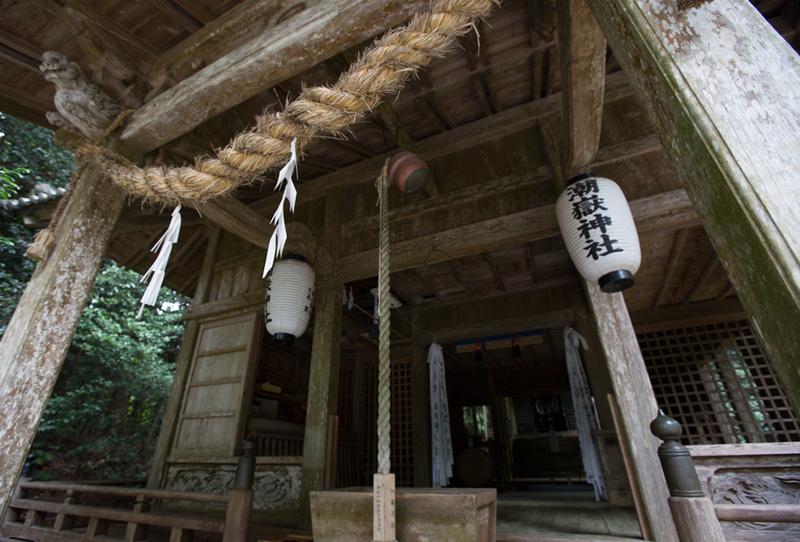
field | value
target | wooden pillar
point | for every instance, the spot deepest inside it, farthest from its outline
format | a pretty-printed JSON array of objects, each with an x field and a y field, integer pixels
[
  {"x": 169, "y": 419},
  {"x": 324, "y": 372},
  {"x": 637, "y": 404},
  {"x": 421, "y": 412},
  {"x": 722, "y": 89},
  {"x": 35, "y": 343}
]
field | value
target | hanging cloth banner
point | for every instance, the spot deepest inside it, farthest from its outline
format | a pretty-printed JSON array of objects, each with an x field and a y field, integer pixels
[
  {"x": 441, "y": 445},
  {"x": 159, "y": 267},
  {"x": 585, "y": 413},
  {"x": 278, "y": 239}
]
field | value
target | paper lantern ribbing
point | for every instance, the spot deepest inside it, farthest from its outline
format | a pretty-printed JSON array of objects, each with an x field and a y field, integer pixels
[
  {"x": 599, "y": 232},
  {"x": 290, "y": 295}
]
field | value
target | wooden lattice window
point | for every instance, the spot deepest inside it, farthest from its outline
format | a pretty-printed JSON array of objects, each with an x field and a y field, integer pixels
[{"x": 717, "y": 382}]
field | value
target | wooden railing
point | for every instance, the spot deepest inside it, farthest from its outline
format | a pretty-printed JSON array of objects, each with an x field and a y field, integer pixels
[
  {"x": 53, "y": 511},
  {"x": 728, "y": 475}
]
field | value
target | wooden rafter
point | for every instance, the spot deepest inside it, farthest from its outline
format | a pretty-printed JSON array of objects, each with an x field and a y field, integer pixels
[
  {"x": 582, "y": 48},
  {"x": 672, "y": 262},
  {"x": 259, "y": 65},
  {"x": 15, "y": 57},
  {"x": 174, "y": 11},
  {"x": 498, "y": 279},
  {"x": 101, "y": 20},
  {"x": 196, "y": 10},
  {"x": 708, "y": 268},
  {"x": 19, "y": 51},
  {"x": 236, "y": 217}
]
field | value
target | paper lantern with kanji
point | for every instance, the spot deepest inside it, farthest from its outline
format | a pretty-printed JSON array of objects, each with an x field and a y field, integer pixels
[
  {"x": 290, "y": 295},
  {"x": 598, "y": 229}
]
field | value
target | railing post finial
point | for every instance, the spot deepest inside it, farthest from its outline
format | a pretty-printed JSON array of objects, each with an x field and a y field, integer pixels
[{"x": 676, "y": 461}]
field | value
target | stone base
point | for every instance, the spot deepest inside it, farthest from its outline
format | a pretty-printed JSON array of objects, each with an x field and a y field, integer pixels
[{"x": 345, "y": 515}]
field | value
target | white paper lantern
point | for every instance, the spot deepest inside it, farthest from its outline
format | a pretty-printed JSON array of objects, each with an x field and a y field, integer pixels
[
  {"x": 599, "y": 232},
  {"x": 290, "y": 295}
]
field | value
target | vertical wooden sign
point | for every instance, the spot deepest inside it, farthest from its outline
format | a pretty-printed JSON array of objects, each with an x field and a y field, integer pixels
[{"x": 383, "y": 508}]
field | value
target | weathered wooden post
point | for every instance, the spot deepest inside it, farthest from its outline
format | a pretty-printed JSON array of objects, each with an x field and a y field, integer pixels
[
  {"x": 240, "y": 503},
  {"x": 637, "y": 404},
  {"x": 692, "y": 511},
  {"x": 40, "y": 331},
  {"x": 324, "y": 370},
  {"x": 722, "y": 89}
]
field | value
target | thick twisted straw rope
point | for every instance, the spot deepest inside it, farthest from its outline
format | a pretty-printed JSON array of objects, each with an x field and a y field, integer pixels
[
  {"x": 378, "y": 73},
  {"x": 384, "y": 328}
]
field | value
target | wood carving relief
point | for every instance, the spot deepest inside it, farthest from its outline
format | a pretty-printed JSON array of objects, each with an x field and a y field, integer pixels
[
  {"x": 81, "y": 106},
  {"x": 763, "y": 486},
  {"x": 277, "y": 487}
]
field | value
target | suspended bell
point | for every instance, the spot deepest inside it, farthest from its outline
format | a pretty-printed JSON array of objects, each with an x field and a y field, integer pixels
[
  {"x": 408, "y": 172},
  {"x": 290, "y": 295},
  {"x": 598, "y": 229}
]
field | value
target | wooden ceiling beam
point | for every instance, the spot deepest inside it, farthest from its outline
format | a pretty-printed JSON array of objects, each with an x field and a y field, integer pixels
[
  {"x": 466, "y": 136},
  {"x": 498, "y": 186},
  {"x": 20, "y": 51},
  {"x": 177, "y": 13},
  {"x": 498, "y": 279},
  {"x": 432, "y": 106},
  {"x": 663, "y": 212},
  {"x": 499, "y": 314},
  {"x": 220, "y": 36},
  {"x": 109, "y": 25},
  {"x": 708, "y": 268},
  {"x": 582, "y": 48},
  {"x": 236, "y": 217},
  {"x": 195, "y": 9},
  {"x": 672, "y": 262},
  {"x": 310, "y": 37},
  {"x": 22, "y": 45},
  {"x": 15, "y": 57}
]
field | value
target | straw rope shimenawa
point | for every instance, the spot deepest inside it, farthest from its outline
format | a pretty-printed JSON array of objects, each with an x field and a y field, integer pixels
[{"x": 379, "y": 72}]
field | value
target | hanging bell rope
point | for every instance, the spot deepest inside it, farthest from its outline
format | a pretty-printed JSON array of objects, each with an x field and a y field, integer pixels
[
  {"x": 318, "y": 111},
  {"x": 384, "y": 329},
  {"x": 383, "y": 511}
]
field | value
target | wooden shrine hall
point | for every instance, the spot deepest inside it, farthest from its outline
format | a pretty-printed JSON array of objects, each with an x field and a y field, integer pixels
[{"x": 484, "y": 341}]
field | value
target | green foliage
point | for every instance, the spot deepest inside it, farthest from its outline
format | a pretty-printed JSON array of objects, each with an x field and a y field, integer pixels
[
  {"x": 103, "y": 417},
  {"x": 25, "y": 146},
  {"x": 9, "y": 180}
]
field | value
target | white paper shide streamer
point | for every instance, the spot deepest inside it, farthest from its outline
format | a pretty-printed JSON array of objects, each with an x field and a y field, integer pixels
[
  {"x": 278, "y": 239},
  {"x": 159, "y": 267}
]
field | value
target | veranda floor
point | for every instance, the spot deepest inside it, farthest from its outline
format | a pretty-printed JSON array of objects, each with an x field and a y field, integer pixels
[{"x": 539, "y": 517}]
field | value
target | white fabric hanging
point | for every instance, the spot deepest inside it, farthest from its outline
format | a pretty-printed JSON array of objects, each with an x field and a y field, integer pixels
[
  {"x": 441, "y": 445},
  {"x": 585, "y": 413}
]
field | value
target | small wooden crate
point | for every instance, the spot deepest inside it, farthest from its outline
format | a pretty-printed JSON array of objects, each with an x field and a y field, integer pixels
[{"x": 424, "y": 514}]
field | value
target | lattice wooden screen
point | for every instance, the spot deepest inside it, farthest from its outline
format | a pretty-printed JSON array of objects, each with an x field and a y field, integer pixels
[
  {"x": 347, "y": 469},
  {"x": 718, "y": 383},
  {"x": 402, "y": 426}
]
